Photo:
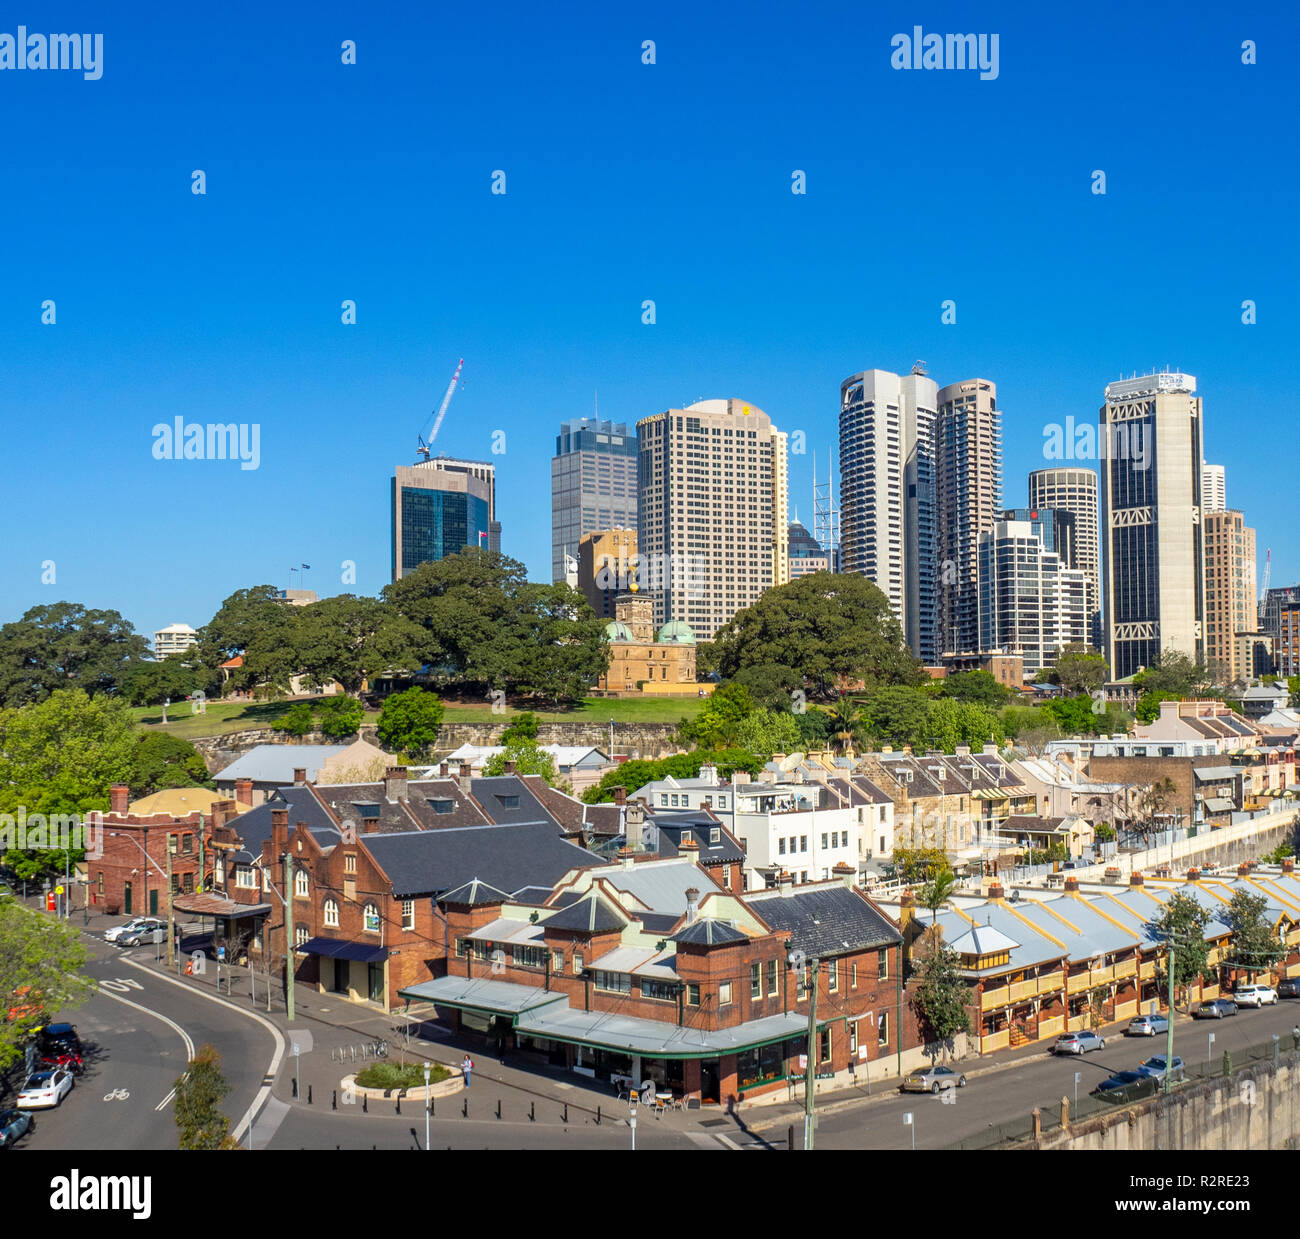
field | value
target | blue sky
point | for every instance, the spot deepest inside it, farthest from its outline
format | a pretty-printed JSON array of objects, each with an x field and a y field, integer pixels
[{"x": 625, "y": 182}]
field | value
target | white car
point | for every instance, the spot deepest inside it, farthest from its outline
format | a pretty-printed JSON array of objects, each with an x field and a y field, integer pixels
[
  {"x": 1254, "y": 996},
  {"x": 139, "y": 928},
  {"x": 45, "y": 1089}
]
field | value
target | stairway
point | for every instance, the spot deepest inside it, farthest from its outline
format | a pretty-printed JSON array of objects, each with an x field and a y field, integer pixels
[{"x": 1018, "y": 1037}]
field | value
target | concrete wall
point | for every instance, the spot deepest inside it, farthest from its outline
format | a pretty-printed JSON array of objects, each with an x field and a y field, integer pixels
[{"x": 1258, "y": 1108}]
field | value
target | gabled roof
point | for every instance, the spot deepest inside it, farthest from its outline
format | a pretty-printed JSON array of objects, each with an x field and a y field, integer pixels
[
  {"x": 589, "y": 915},
  {"x": 709, "y": 932},
  {"x": 824, "y": 920},
  {"x": 275, "y": 763},
  {"x": 254, "y": 827},
  {"x": 474, "y": 893}
]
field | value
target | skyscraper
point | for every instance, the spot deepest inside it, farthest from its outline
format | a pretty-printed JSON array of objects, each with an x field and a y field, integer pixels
[
  {"x": 1229, "y": 594},
  {"x": 1074, "y": 491},
  {"x": 1030, "y": 603},
  {"x": 712, "y": 517},
  {"x": 438, "y": 508},
  {"x": 968, "y": 490},
  {"x": 1214, "y": 488},
  {"x": 593, "y": 483},
  {"x": 887, "y": 524},
  {"x": 1150, "y": 444}
]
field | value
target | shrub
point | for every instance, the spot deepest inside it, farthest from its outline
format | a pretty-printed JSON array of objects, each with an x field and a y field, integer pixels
[{"x": 404, "y": 1075}]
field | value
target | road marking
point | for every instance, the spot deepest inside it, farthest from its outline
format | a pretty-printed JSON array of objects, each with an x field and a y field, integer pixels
[
  {"x": 185, "y": 1037},
  {"x": 121, "y": 985},
  {"x": 117, "y": 1094},
  {"x": 265, "y": 1091},
  {"x": 162, "y": 1105}
]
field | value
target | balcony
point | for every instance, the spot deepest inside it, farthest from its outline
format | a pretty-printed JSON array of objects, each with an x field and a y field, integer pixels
[
  {"x": 1077, "y": 984},
  {"x": 1127, "y": 968},
  {"x": 992, "y": 998},
  {"x": 1051, "y": 1027},
  {"x": 995, "y": 1041},
  {"x": 1052, "y": 982},
  {"x": 1148, "y": 970},
  {"x": 1023, "y": 989}
]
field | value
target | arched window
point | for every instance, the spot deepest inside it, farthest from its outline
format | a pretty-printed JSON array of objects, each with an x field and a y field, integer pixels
[
  {"x": 300, "y": 884},
  {"x": 331, "y": 914},
  {"x": 371, "y": 919}
]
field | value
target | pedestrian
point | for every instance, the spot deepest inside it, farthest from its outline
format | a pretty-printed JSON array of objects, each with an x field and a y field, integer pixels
[
  {"x": 466, "y": 1066},
  {"x": 1295, "y": 1036}
]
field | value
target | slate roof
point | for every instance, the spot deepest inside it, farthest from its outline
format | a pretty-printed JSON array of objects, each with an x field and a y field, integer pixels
[
  {"x": 464, "y": 812},
  {"x": 428, "y": 862},
  {"x": 709, "y": 932},
  {"x": 824, "y": 920},
  {"x": 474, "y": 894},
  {"x": 725, "y": 851},
  {"x": 254, "y": 826},
  {"x": 589, "y": 915},
  {"x": 275, "y": 763},
  {"x": 575, "y": 816},
  {"x": 351, "y": 803},
  {"x": 495, "y": 793}
]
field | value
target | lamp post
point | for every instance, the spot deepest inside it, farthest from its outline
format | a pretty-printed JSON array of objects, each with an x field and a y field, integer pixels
[{"x": 426, "y": 1106}]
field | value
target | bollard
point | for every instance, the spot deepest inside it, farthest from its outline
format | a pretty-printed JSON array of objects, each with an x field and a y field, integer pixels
[
  {"x": 566, "y": 1111},
  {"x": 294, "y": 1084},
  {"x": 399, "y": 1103},
  {"x": 464, "y": 1108},
  {"x": 364, "y": 1108},
  {"x": 498, "y": 1107},
  {"x": 309, "y": 1094},
  {"x": 334, "y": 1100},
  {"x": 789, "y": 1137},
  {"x": 532, "y": 1115},
  {"x": 433, "y": 1106},
  {"x": 597, "y": 1116}
]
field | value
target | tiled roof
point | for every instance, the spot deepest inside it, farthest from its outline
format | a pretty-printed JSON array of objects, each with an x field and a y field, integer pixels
[
  {"x": 824, "y": 920},
  {"x": 589, "y": 915},
  {"x": 254, "y": 827}
]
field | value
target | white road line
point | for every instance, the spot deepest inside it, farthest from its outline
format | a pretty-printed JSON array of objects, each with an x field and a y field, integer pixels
[
  {"x": 728, "y": 1142},
  {"x": 265, "y": 1091},
  {"x": 189, "y": 1043}
]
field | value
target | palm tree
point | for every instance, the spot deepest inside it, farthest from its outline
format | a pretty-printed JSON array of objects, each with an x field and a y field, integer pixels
[
  {"x": 936, "y": 890},
  {"x": 846, "y": 717}
]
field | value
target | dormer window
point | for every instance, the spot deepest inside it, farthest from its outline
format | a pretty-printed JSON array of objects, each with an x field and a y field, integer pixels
[
  {"x": 507, "y": 802},
  {"x": 368, "y": 812},
  {"x": 715, "y": 835},
  {"x": 442, "y": 806}
]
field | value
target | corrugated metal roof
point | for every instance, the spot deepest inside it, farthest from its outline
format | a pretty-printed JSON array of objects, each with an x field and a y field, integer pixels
[{"x": 275, "y": 763}]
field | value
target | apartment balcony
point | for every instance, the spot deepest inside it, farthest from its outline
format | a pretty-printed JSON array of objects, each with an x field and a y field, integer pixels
[
  {"x": 1147, "y": 972},
  {"x": 1053, "y": 982},
  {"x": 1023, "y": 989},
  {"x": 992, "y": 998},
  {"x": 1126, "y": 968},
  {"x": 1051, "y": 1027},
  {"x": 1077, "y": 984},
  {"x": 995, "y": 1041}
]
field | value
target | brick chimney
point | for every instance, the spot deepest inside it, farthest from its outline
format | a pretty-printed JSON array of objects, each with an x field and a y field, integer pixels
[
  {"x": 692, "y": 905},
  {"x": 395, "y": 783},
  {"x": 620, "y": 795},
  {"x": 280, "y": 824},
  {"x": 508, "y": 767},
  {"x": 118, "y": 796},
  {"x": 1288, "y": 865},
  {"x": 300, "y": 774},
  {"x": 1135, "y": 878},
  {"x": 785, "y": 882},
  {"x": 243, "y": 791},
  {"x": 1243, "y": 871},
  {"x": 466, "y": 774},
  {"x": 442, "y": 769},
  {"x": 626, "y": 857},
  {"x": 1071, "y": 886},
  {"x": 845, "y": 873},
  {"x": 690, "y": 850},
  {"x": 995, "y": 891}
]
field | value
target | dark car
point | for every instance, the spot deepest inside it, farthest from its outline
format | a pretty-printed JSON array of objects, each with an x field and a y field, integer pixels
[
  {"x": 57, "y": 1045},
  {"x": 14, "y": 1124},
  {"x": 1290, "y": 988},
  {"x": 1127, "y": 1086},
  {"x": 1214, "y": 1009}
]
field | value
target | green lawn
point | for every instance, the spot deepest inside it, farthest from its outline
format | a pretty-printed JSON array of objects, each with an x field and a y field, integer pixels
[{"x": 223, "y": 717}]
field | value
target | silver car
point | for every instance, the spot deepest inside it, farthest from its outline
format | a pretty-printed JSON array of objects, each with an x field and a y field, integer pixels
[
  {"x": 1078, "y": 1043},
  {"x": 935, "y": 1080},
  {"x": 1147, "y": 1026}
]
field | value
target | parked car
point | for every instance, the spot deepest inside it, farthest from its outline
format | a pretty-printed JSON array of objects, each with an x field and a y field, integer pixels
[
  {"x": 1147, "y": 1026},
  {"x": 1078, "y": 1043},
  {"x": 1126, "y": 1086},
  {"x": 13, "y": 1125},
  {"x": 57, "y": 1045},
  {"x": 133, "y": 929},
  {"x": 1254, "y": 996},
  {"x": 1290, "y": 988},
  {"x": 45, "y": 1089},
  {"x": 1155, "y": 1066},
  {"x": 1214, "y": 1009},
  {"x": 935, "y": 1080}
]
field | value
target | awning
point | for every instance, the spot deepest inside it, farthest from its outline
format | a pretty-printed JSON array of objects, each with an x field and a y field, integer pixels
[
  {"x": 480, "y": 994},
  {"x": 338, "y": 948},
  {"x": 207, "y": 904},
  {"x": 989, "y": 793}
]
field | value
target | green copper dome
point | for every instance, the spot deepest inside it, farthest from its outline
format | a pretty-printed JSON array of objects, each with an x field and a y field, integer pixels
[
  {"x": 616, "y": 630},
  {"x": 676, "y": 632}
]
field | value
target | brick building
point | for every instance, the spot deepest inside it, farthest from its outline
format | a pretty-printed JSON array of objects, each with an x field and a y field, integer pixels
[{"x": 130, "y": 876}]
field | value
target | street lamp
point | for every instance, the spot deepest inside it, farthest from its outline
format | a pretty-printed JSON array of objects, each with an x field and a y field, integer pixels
[{"x": 426, "y": 1106}]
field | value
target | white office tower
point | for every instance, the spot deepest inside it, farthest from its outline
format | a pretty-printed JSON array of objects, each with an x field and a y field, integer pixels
[
  {"x": 1214, "y": 489},
  {"x": 1075, "y": 491}
]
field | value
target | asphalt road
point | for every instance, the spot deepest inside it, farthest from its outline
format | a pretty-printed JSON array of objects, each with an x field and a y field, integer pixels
[
  {"x": 139, "y": 1032},
  {"x": 1012, "y": 1092}
]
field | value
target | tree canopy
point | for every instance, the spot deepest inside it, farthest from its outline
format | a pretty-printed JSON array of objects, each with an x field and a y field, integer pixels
[
  {"x": 409, "y": 721},
  {"x": 828, "y": 627}
]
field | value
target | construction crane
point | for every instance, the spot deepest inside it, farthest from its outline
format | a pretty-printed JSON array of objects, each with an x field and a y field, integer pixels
[
  {"x": 1268, "y": 573},
  {"x": 424, "y": 448}
]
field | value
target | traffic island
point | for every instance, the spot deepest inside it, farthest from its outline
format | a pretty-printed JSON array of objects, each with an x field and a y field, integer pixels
[{"x": 388, "y": 1081}]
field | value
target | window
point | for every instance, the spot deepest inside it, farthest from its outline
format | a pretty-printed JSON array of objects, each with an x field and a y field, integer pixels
[
  {"x": 349, "y": 862},
  {"x": 772, "y": 966},
  {"x": 187, "y": 845},
  {"x": 187, "y": 883},
  {"x": 663, "y": 799},
  {"x": 462, "y": 948},
  {"x": 853, "y": 976},
  {"x": 853, "y": 1038},
  {"x": 577, "y": 963},
  {"x": 369, "y": 812},
  {"x": 331, "y": 913},
  {"x": 408, "y": 913},
  {"x": 100, "y": 883},
  {"x": 756, "y": 980},
  {"x": 173, "y": 843},
  {"x": 722, "y": 802},
  {"x": 507, "y": 802},
  {"x": 882, "y": 1025},
  {"x": 557, "y": 961},
  {"x": 370, "y": 919},
  {"x": 442, "y": 806},
  {"x": 824, "y": 843},
  {"x": 245, "y": 877},
  {"x": 726, "y": 876},
  {"x": 300, "y": 934},
  {"x": 665, "y": 991},
  {"x": 882, "y": 963},
  {"x": 300, "y": 884},
  {"x": 803, "y": 843},
  {"x": 825, "y": 1047},
  {"x": 687, "y": 837},
  {"x": 613, "y": 982},
  {"x": 176, "y": 883},
  {"x": 715, "y": 834},
  {"x": 692, "y": 995},
  {"x": 833, "y": 976},
  {"x": 780, "y": 847},
  {"x": 529, "y": 956}
]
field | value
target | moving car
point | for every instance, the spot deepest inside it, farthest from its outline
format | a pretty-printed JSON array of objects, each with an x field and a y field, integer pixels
[
  {"x": 1126, "y": 1086},
  {"x": 133, "y": 929},
  {"x": 1214, "y": 1009},
  {"x": 1290, "y": 988},
  {"x": 1147, "y": 1026},
  {"x": 13, "y": 1125},
  {"x": 1155, "y": 1067},
  {"x": 1254, "y": 996},
  {"x": 45, "y": 1089},
  {"x": 1078, "y": 1043},
  {"x": 933, "y": 1081}
]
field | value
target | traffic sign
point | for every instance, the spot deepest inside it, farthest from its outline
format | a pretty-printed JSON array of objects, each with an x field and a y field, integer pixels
[
  {"x": 159, "y": 937},
  {"x": 58, "y": 890}
]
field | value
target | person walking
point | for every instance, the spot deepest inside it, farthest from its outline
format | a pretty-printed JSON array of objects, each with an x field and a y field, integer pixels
[
  {"x": 466, "y": 1066},
  {"x": 1295, "y": 1036}
]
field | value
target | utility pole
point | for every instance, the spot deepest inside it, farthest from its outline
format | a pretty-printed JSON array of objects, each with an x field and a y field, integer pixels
[
  {"x": 1169, "y": 1032},
  {"x": 809, "y": 1119},
  {"x": 288, "y": 934},
  {"x": 171, "y": 911}
]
